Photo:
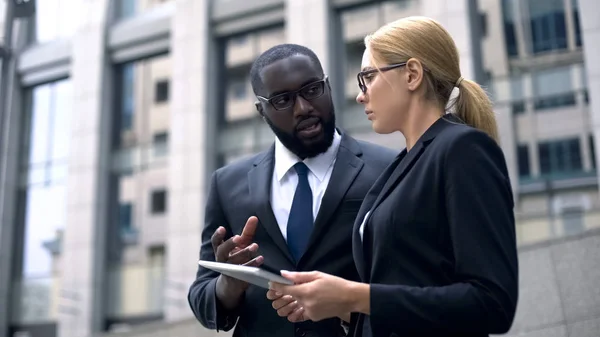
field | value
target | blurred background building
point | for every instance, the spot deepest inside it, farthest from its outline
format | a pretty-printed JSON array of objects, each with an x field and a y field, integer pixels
[{"x": 117, "y": 112}]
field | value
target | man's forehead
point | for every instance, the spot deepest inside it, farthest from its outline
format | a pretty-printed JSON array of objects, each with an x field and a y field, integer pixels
[{"x": 288, "y": 73}]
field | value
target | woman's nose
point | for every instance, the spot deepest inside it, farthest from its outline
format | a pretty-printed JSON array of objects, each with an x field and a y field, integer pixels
[{"x": 360, "y": 98}]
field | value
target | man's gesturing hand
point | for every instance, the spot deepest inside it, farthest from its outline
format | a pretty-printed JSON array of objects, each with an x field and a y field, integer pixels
[{"x": 240, "y": 250}]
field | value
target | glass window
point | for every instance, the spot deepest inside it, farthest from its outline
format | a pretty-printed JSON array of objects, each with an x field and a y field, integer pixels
[
  {"x": 562, "y": 157},
  {"x": 510, "y": 37},
  {"x": 127, "y": 96},
  {"x": 43, "y": 202},
  {"x": 126, "y": 8},
  {"x": 523, "y": 160},
  {"x": 517, "y": 96},
  {"x": 48, "y": 139},
  {"x": 238, "y": 90},
  {"x": 576, "y": 22},
  {"x": 161, "y": 91},
  {"x": 138, "y": 157},
  {"x": 553, "y": 88},
  {"x": 161, "y": 141},
  {"x": 548, "y": 25},
  {"x": 592, "y": 151},
  {"x": 126, "y": 216},
  {"x": 159, "y": 202},
  {"x": 56, "y": 19}
]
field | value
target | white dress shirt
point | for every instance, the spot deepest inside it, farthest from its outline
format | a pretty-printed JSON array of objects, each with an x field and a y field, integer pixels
[
  {"x": 285, "y": 179},
  {"x": 361, "y": 229}
]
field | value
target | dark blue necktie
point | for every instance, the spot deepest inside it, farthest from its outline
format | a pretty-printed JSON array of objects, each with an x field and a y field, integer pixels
[{"x": 300, "y": 222}]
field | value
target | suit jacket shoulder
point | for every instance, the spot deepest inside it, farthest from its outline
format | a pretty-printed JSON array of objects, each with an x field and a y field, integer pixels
[{"x": 376, "y": 152}]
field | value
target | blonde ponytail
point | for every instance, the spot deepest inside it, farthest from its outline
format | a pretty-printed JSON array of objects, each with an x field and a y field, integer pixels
[{"x": 474, "y": 107}]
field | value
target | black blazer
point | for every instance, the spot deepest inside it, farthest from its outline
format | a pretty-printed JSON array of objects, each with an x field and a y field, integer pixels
[
  {"x": 243, "y": 189},
  {"x": 439, "y": 246}
]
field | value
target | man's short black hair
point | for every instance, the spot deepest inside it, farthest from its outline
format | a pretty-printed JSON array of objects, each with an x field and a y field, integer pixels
[{"x": 275, "y": 54}]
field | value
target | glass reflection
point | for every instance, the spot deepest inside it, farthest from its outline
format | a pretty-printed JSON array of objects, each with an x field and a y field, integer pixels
[
  {"x": 56, "y": 19},
  {"x": 44, "y": 202},
  {"x": 548, "y": 25},
  {"x": 48, "y": 143}
]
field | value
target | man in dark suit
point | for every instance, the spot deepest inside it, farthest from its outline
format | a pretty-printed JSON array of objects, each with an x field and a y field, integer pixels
[{"x": 298, "y": 200}]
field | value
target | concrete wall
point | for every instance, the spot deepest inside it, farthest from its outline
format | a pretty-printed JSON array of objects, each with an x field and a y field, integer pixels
[{"x": 559, "y": 292}]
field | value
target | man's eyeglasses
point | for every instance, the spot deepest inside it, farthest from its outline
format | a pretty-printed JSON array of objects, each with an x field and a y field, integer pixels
[
  {"x": 287, "y": 100},
  {"x": 367, "y": 75}
]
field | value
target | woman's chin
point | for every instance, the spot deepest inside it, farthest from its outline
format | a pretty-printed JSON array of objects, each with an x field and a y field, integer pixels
[{"x": 379, "y": 128}]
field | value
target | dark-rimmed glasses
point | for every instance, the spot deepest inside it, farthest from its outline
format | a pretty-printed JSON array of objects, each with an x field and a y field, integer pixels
[
  {"x": 287, "y": 100},
  {"x": 360, "y": 77}
]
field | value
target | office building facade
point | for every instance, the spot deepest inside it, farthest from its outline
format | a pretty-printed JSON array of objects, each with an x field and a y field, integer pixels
[{"x": 118, "y": 115}]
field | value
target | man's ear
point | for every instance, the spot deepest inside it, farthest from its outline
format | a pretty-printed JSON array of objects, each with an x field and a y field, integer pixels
[{"x": 259, "y": 108}]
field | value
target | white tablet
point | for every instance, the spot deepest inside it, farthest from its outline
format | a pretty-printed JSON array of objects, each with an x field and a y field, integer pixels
[{"x": 253, "y": 275}]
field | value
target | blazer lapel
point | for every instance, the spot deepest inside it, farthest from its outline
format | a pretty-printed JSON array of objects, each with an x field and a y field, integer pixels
[
  {"x": 259, "y": 182},
  {"x": 367, "y": 205},
  {"x": 411, "y": 156},
  {"x": 400, "y": 171},
  {"x": 347, "y": 166}
]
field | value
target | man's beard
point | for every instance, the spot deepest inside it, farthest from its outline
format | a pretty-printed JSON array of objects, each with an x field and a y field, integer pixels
[{"x": 293, "y": 143}]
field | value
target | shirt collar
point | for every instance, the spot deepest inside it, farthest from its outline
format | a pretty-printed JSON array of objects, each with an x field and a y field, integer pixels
[{"x": 285, "y": 159}]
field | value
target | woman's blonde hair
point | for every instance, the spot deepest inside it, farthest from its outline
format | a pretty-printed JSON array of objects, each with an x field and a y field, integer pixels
[{"x": 428, "y": 41}]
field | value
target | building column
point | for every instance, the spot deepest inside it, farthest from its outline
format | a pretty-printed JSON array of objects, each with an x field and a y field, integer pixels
[
  {"x": 455, "y": 16},
  {"x": 590, "y": 30},
  {"x": 10, "y": 149},
  {"x": 81, "y": 305},
  {"x": 189, "y": 140},
  {"x": 308, "y": 23}
]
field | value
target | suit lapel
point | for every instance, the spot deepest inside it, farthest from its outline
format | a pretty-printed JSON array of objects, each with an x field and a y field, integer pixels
[
  {"x": 347, "y": 166},
  {"x": 367, "y": 205},
  {"x": 400, "y": 171},
  {"x": 411, "y": 156},
  {"x": 259, "y": 182}
]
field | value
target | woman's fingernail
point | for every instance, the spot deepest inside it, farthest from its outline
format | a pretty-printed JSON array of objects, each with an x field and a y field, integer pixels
[{"x": 277, "y": 293}]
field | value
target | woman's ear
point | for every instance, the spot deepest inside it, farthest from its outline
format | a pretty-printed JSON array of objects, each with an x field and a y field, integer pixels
[{"x": 414, "y": 74}]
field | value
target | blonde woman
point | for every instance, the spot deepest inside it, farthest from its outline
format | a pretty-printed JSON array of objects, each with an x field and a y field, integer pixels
[{"x": 434, "y": 241}]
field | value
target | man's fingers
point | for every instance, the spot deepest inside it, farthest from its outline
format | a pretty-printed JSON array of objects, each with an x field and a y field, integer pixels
[
  {"x": 243, "y": 255},
  {"x": 223, "y": 250},
  {"x": 248, "y": 231},
  {"x": 217, "y": 238},
  {"x": 255, "y": 262}
]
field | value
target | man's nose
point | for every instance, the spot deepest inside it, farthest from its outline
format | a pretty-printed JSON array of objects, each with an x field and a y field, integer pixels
[{"x": 302, "y": 106}]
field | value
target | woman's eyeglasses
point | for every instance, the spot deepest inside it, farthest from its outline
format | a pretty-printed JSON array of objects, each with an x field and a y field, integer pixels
[{"x": 366, "y": 76}]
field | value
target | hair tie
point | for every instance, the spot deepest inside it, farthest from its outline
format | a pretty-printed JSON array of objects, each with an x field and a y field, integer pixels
[{"x": 458, "y": 82}]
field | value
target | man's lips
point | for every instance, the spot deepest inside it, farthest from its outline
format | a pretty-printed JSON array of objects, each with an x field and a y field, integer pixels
[{"x": 307, "y": 123}]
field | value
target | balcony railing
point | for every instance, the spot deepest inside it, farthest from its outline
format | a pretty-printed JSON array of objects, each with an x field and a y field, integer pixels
[
  {"x": 135, "y": 291},
  {"x": 35, "y": 300},
  {"x": 532, "y": 229}
]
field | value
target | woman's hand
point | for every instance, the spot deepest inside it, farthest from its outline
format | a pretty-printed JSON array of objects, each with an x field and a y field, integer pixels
[
  {"x": 286, "y": 306},
  {"x": 322, "y": 296}
]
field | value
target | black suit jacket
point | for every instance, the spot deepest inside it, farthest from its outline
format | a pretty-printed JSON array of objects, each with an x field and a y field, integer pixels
[
  {"x": 243, "y": 189},
  {"x": 439, "y": 247}
]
